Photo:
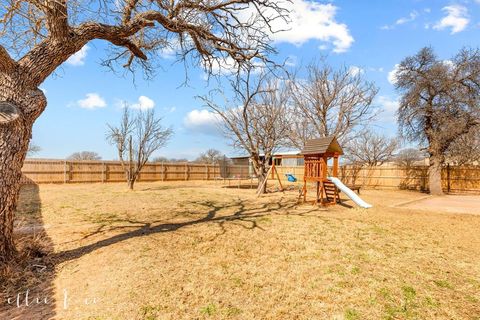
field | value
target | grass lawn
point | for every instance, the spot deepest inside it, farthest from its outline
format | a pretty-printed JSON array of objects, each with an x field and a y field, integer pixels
[{"x": 199, "y": 251}]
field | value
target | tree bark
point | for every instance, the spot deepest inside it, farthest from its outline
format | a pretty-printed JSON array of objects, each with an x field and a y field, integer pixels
[
  {"x": 435, "y": 175},
  {"x": 262, "y": 186},
  {"x": 14, "y": 139},
  {"x": 131, "y": 182},
  {"x": 10, "y": 168}
]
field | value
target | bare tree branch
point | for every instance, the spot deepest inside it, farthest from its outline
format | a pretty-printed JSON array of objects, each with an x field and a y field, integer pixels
[
  {"x": 57, "y": 19},
  {"x": 208, "y": 32}
]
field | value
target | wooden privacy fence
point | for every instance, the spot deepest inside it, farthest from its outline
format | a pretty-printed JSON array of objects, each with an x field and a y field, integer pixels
[
  {"x": 66, "y": 171},
  {"x": 455, "y": 179}
]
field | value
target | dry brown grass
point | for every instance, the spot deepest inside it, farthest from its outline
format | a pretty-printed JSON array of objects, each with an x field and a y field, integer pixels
[{"x": 183, "y": 251}]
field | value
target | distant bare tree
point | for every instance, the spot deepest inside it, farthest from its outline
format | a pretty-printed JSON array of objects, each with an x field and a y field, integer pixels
[
  {"x": 330, "y": 102},
  {"x": 440, "y": 103},
  {"x": 38, "y": 36},
  {"x": 136, "y": 139},
  {"x": 84, "y": 155},
  {"x": 211, "y": 156},
  {"x": 407, "y": 157},
  {"x": 33, "y": 149},
  {"x": 465, "y": 149},
  {"x": 301, "y": 129},
  {"x": 371, "y": 149},
  {"x": 256, "y": 119},
  {"x": 171, "y": 160}
]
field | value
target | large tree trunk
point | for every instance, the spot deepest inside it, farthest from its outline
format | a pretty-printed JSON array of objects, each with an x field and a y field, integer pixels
[
  {"x": 435, "y": 175},
  {"x": 259, "y": 166},
  {"x": 131, "y": 182},
  {"x": 13, "y": 145},
  {"x": 262, "y": 184},
  {"x": 15, "y": 134}
]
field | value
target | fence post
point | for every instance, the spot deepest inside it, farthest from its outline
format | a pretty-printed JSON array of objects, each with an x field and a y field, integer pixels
[
  {"x": 448, "y": 177},
  {"x": 103, "y": 172},
  {"x": 186, "y": 171},
  {"x": 240, "y": 177},
  {"x": 206, "y": 171},
  {"x": 163, "y": 171},
  {"x": 65, "y": 171},
  {"x": 364, "y": 174}
]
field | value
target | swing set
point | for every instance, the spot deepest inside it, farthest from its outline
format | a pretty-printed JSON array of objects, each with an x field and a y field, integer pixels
[{"x": 316, "y": 154}]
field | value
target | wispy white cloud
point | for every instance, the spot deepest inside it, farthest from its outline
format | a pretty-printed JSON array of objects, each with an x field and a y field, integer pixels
[
  {"x": 171, "y": 49},
  {"x": 392, "y": 78},
  {"x": 403, "y": 20},
  {"x": 78, "y": 59},
  {"x": 143, "y": 103},
  {"x": 354, "y": 70},
  {"x": 456, "y": 19},
  {"x": 411, "y": 17},
  {"x": 291, "y": 61},
  {"x": 373, "y": 69},
  {"x": 92, "y": 101},
  {"x": 323, "y": 47},
  {"x": 229, "y": 66},
  {"x": 311, "y": 20},
  {"x": 202, "y": 121},
  {"x": 388, "y": 108}
]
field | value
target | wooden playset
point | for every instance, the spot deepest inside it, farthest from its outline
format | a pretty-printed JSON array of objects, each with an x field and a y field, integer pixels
[{"x": 316, "y": 154}]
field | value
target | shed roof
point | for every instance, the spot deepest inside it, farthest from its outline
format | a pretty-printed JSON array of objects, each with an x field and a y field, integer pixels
[
  {"x": 275, "y": 154},
  {"x": 322, "y": 145}
]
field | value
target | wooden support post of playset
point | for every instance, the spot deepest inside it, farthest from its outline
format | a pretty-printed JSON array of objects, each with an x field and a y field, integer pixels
[
  {"x": 273, "y": 168},
  {"x": 335, "y": 165}
]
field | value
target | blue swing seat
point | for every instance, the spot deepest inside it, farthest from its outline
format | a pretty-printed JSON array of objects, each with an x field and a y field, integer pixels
[{"x": 290, "y": 177}]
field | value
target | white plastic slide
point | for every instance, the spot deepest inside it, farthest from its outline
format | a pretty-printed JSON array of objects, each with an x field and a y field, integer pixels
[{"x": 352, "y": 195}]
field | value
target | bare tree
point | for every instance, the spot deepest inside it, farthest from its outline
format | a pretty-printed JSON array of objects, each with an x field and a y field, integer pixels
[
  {"x": 407, "y": 157},
  {"x": 465, "y": 149},
  {"x": 38, "y": 36},
  {"x": 255, "y": 120},
  {"x": 136, "y": 139},
  {"x": 172, "y": 160},
  {"x": 439, "y": 104},
  {"x": 370, "y": 148},
  {"x": 330, "y": 102},
  {"x": 33, "y": 149},
  {"x": 84, "y": 155},
  {"x": 211, "y": 156}
]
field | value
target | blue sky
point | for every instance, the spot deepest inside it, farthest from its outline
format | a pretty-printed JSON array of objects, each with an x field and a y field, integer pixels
[{"x": 368, "y": 35}]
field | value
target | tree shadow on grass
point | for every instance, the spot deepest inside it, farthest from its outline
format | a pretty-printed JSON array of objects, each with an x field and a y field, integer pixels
[
  {"x": 244, "y": 215},
  {"x": 30, "y": 276}
]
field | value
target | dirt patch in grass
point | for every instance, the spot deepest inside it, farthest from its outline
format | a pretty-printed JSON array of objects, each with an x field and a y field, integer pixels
[
  {"x": 448, "y": 203},
  {"x": 200, "y": 251}
]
